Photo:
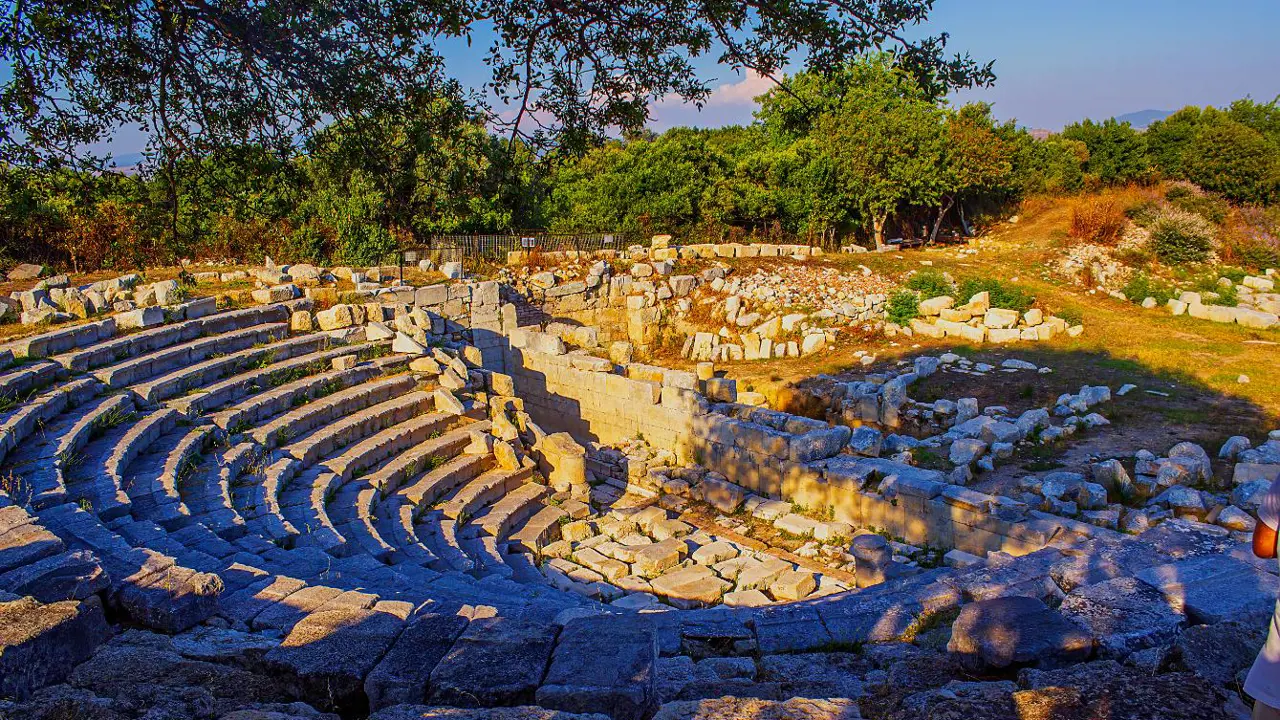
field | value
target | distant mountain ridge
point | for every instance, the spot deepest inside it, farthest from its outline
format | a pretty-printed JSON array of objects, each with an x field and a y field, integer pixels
[{"x": 1142, "y": 118}]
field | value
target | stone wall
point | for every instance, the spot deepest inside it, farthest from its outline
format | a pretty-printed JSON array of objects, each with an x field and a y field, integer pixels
[{"x": 766, "y": 453}]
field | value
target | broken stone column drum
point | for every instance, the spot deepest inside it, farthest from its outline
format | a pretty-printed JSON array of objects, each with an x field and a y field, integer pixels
[
  {"x": 567, "y": 461},
  {"x": 872, "y": 556}
]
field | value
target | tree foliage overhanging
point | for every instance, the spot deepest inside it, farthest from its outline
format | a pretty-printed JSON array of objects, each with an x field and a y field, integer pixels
[{"x": 200, "y": 75}]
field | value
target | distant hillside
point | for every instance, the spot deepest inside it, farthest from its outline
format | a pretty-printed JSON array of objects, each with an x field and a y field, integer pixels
[{"x": 1143, "y": 118}]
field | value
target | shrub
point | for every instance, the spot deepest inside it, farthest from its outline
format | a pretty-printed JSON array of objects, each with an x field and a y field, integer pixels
[
  {"x": 1225, "y": 296},
  {"x": 1097, "y": 220},
  {"x": 1142, "y": 286},
  {"x": 1232, "y": 159},
  {"x": 1210, "y": 207},
  {"x": 930, "y": 284},
  {"x": 903, "y": 307},
  {"x": 1252, "y": 239},
  {"x": 1234, "y": 274},
  {"x": 1071, "y": 315},
  {"x": 1178, "y": 237},
  {"x": 1143, "y": 211},
  {"x": 1003, "y": 295}
]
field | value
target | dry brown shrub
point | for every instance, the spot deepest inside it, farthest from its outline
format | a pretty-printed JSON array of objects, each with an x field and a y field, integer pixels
[
  {"x": 1097, "y": 220},
  {"x": 105, "y": 236}
]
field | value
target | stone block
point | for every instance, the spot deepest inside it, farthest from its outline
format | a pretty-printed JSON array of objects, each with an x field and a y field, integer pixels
[
  {"x": 1014, "y": 631},
  {"x": 496, "y": 661},
  {"x": 604, "y": 663}
]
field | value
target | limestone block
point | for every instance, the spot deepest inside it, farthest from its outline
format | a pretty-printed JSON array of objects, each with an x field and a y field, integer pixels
[{"x": 793, "y": 585}]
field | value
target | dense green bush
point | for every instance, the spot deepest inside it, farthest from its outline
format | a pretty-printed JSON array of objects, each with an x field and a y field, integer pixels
[
  {"x": 1178, "y": 237},
  {"x": 1003, "y": 295},
  {"x": 903, "y": 307},
  {"x": 1235, "y": 160},
  {"x": 930, "y": 284}
]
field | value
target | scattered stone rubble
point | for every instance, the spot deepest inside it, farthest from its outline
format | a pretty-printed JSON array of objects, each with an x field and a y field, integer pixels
[
  {"x": 1258, "y": 307},
  {"x": 977, "y": 322}
]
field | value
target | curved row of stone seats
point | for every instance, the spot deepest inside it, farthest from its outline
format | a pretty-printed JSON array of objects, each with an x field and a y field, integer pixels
[
  {"x": 149, "y": 587},
  {"x": 176, "y": 357},
  {"x": 303, "y": 487},
  {"x": 17, "y": 424},
  {"x": 199, "y": 374},
  {"x": 148, "y": 341},
  {"x": 262, "y": 377},
  {"x": 302, "y": 420},
  {"x": 94, "y": 345},
  {"x": 64, "y": 340},
  {"x": 20, "y": 382},
  {"x": 297, "y": 407},
  {"x": 155, "y": 477},
  {"x": 262, "y": 406},
  {"x": 392, "y": 511},
  {"x": 38, "y": 468},
  {"x": 354, "y": 504},
  {"x": 453, "y": 516}
]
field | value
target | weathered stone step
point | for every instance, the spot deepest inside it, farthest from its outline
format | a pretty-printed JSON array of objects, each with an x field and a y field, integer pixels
[
  {"x": 439, "y": 481},
  {"x": 483, "y": 490},
  {"x": 259, "y": 379},
  {"x": 519, "y": 504},
  {"x": 42, "y": 411},
  {"x": 195, "y": 376},
  {"x": 96, "y": 480},
  {"x": 41, "y": 463},
  {"x": 24, "y": 540},
  {"x": 352, "y": 513},
  {"x": 301, "y": 421},
  {"x": 155, "y": 480},
  {"x": 371, "y": 421},
  {"x": 94, "y": 418},
  {"x": 389, "y": 442},
  {"x": 18, "y": 383},
  {"x": 208, "y": 494},
  {"x": 150, "y": 365},
  {"x": 443, "y": 533},
  {"x": 430, "y": 453},
  {"x": 304, "y": 504},
  {"x": 259, "y": 407},
  {"x": 394, "y": 523},
  {"x": 486, "y": 556},
  {"x": 64, "y": 340},
  {"x": 542, "y": 529},
  {"x": 153, "y": 339}
]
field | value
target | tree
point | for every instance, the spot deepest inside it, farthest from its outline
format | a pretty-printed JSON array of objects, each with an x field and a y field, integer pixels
[
  {"x": 886, "y": 143},
  {"x": 1265, "y": 118},
  {"x": 1235, "y": 160},
  {"x": 627, "y": 185},
  {"x": 1167, "y": 139},
  {"x": 1117, "y": 152},
  {"x": 974, "y": 159}
]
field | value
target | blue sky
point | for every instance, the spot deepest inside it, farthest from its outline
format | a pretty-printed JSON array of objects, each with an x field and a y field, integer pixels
[{"x": 1057, "y": 62}]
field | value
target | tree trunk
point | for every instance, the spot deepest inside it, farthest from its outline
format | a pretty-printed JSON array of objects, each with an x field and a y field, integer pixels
[
  {"x": 937, "y": 223},
  {"x": 877, "y": 223}
]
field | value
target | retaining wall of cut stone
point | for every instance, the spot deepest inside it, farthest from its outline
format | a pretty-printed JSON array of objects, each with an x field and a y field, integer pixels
[{"x": 768, "y": 453}]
